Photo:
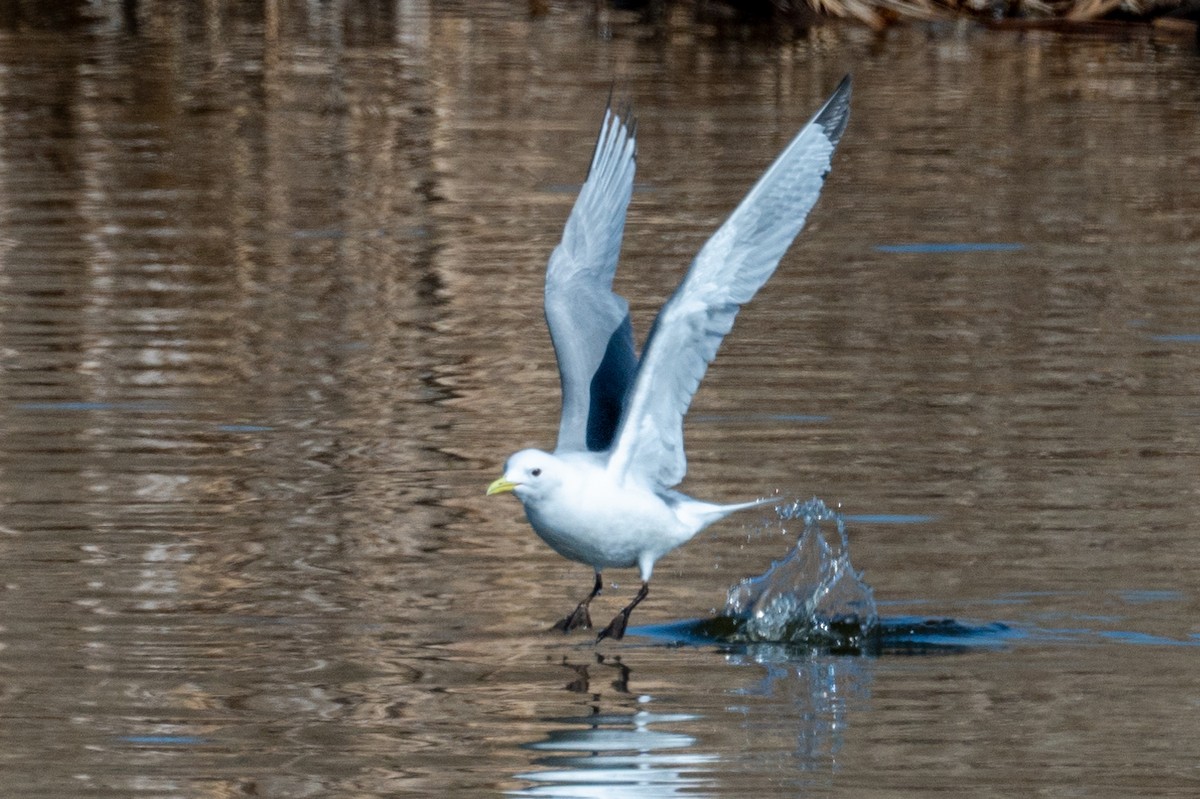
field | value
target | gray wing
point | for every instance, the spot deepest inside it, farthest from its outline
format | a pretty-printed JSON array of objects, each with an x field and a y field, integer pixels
[
  {"x": 589, "y": 324},
  {"x": 727, "y": 272}
]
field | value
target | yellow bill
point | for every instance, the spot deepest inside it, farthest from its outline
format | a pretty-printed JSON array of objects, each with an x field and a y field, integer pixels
[{"x": 500, "y": 486}]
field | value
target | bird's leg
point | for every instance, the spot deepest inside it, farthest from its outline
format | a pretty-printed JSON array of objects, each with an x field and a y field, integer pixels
[
  {"x": 580, "y": 616},
  {"x": 616, "y": 628}
]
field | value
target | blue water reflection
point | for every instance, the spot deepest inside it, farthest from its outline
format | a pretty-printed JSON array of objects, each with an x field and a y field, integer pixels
[{"x": 1183, "y": 338}]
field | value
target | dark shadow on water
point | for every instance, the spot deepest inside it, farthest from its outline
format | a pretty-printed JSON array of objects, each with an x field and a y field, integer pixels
[
  {"x": 904, "y": 635},
  {"x": 912, "y": 635}
]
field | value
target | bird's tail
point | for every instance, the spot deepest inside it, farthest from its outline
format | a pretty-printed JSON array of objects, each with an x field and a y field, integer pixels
[
  {"x": 705, "y": 513},
  {"x": 728, "y": 509}
]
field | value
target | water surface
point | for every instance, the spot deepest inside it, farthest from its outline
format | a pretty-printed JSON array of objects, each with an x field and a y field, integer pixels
[{"x": 269, "y": 324}]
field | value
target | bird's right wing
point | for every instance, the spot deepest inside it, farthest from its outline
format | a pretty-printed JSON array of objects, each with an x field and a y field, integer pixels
[
  {"x": 589, "y": 324},
  {"x": 727, "y": 272}
]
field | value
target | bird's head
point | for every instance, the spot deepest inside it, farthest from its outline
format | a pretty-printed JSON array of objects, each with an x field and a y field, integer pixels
[{"x": 529, "y": 474}]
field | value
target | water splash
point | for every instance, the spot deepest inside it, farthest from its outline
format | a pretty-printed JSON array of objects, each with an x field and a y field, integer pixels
[{"x": 813, "y": 597}]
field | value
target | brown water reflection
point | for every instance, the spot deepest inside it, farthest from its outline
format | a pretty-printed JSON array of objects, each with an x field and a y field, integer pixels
[{"x": 268, "y": 324}]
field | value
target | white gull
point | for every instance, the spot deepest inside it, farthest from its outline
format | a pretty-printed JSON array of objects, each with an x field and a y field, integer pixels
[{"x": 605, "y": 496}]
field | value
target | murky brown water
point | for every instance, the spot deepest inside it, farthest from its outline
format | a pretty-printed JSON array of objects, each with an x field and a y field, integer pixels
[{"x": 269, "y": 323}]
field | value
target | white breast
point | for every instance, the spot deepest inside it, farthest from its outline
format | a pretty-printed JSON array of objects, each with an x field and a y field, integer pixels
[{"x": 593, "y": 521}]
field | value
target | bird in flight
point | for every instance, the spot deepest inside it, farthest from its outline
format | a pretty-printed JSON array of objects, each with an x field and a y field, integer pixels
[{"x": 605, "y": 496}]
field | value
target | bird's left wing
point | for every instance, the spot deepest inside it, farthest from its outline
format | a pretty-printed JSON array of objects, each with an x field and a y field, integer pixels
[
  {"x": 728, "y": 271},
  {"x": 589, "y": 324}
]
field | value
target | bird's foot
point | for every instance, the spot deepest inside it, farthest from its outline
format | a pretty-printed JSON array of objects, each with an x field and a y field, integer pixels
[
  {"x": 616, "y": 628},
  {"x": 578, "y": 619}
]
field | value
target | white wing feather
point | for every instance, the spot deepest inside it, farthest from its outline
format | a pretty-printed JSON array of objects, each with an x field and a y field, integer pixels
[
  {"x": 727, "y": 272},
  {"x": 589, "y": 324}
]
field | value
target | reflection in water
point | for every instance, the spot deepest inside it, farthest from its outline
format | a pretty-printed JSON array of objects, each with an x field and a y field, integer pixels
[
  {"x": 817, "y": 691},
  {"x": 616, "y": 753},
  {"x": 622, "y": 752}
]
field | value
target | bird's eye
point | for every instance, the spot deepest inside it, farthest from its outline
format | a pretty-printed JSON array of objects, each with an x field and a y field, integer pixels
[{"x": 536, "y": 472}]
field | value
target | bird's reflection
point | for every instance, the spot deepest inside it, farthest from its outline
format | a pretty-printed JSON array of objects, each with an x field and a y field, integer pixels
[
  {"x": 616, "y": 752},
  {"x": 622, "y": 747}
]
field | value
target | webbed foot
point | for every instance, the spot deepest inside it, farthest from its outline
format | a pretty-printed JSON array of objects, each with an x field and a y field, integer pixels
[
  {"x": 578, "y": 618},
  {"x": 616, "y": 628}
]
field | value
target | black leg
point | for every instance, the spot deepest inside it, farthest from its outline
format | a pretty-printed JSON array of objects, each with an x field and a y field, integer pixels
[
  {"x": 616, "y": 628},
  {"x": 580, "y": 616}
]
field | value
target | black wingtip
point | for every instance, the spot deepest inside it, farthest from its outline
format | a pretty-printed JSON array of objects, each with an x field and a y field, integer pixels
[
  {"x": 623, "y": 111},
  {"x": 834, "y": 115}
]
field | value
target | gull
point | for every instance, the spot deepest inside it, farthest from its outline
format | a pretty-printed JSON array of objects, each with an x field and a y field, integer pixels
[{"x": 605, "y": 497}]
